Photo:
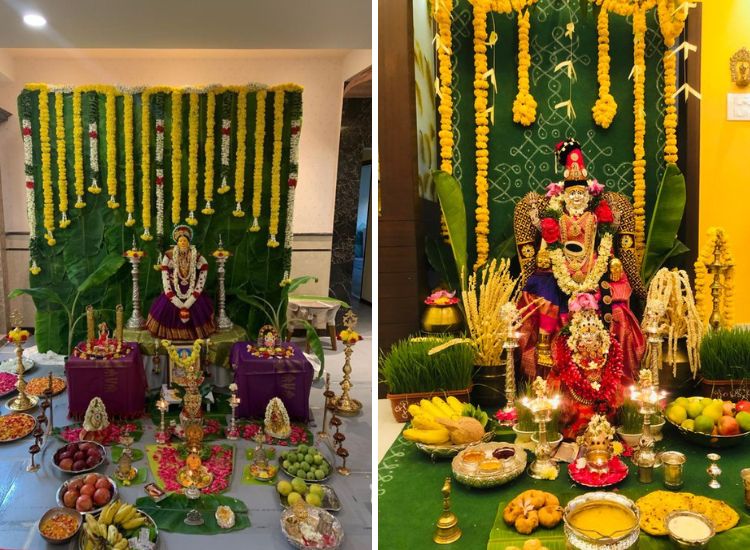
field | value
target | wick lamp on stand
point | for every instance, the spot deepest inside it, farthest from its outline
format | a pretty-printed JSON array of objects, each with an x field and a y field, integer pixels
[
  {"x": 541, "y": 407},
  {"x": 647, "y": 394}
]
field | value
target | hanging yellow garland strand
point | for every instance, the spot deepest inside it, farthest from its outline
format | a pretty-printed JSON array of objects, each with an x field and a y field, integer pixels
[
  {"x": 605, "y": 108},
  {"x": 671, "y": 23},
  {"x": 524, "y": 106},
  {"x": 192, "y": 160},
  {"x": 78, "y": 149},
  {"x": 278, "y": 127},
  {"x": 110, "y": 117},
  {"x": 639, "y": 110},
  {"x": 481, "y": 87},
  {"x": 445, "y": 134},
  {"x": 208, "y": 175},
  {"x": 260, "y": 136},
  {"x": 127, "y": 124},
  {"x": 49, "y": 199},
  {"x": 62, "y": 174},
  {"x": 176, "y": 155},
  {"x": 239, "y": 172},
  {"x": 146, "y": 164}
]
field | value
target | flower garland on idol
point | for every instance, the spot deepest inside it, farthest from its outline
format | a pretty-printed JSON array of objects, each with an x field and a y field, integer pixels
[
  {"x": 605, "y": 108},
  {"x": 49, "y": 205},
  {"x": 295, "y": 108},
  {"x": 208, "y": 175},
  {"x": 111, "y": 113},
  {"x": 93, "y": 125},
  {"x": 28, "y": 166},
  {"x": 444, "y": 46},
  {"x": 226, "y": 141},
  {"x": 62, "y": 175},
  {"x": 193, "y": 124},
  {"x": 717, "y": 238},
  {"x": 239, "y": 158},
  {"x": 127, "y": 124},
  {"x": 260, "y": 136},
  {"x": 524, "y": 106},
  {"x": 176, "y": 155},
  {"x": 78, "y": 149},
  {"x": 159, "y": 163},
  {"x": 278, "y": 127}
]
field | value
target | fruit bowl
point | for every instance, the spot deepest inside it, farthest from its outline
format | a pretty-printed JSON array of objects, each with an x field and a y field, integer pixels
[
  {"x": 59, "y": 458},
  {"x": 328, "y": 497},
  {"x": 74, "y": 481},
  {"x": 708, "y": 440},
  {"x": 302, "y": 456}
]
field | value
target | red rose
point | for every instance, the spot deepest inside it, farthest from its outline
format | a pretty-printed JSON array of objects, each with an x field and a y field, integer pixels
[
  {"x": 550, "y": 230},
  {"x": 603, "y": 212}
]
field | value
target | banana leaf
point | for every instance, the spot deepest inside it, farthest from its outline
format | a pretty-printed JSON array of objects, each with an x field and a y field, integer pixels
[
  {"x": 666, "y": 218},
  {"x": 439, "y": 256},
  {"x": 169, "y": 514},
  {"x": 505, "y": 248},
  {"x": 107, "y": 267},
  {"x": 317, "y": 348},
  {"x": 454, "y": 211}
]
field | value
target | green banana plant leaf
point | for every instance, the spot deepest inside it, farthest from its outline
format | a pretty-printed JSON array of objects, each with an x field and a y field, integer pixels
[
  {"x": 41, "y": 295},
  {"x": 326, "y": 299},
  {"x": 440, "y": 259},
  {"x": 454, "y": 211},
  {"x": 299, "y": 281},
  {"x": 665, "y": 222},
  {"x": 315, "y": 345},
  {"x": 505, "y": 248},
  {"x": 107, "y": 267}
]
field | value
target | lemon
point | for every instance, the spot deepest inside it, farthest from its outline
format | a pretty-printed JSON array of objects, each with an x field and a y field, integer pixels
[
  {"x": 695, "y": 409},
  {"x": 677, "y": 414},
  {"x": 704, "y": 424},
  {"x": 688, "y": 424}
]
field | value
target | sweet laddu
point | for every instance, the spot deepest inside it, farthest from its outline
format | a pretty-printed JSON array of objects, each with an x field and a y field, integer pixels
[{"x": 182, "y": 311}]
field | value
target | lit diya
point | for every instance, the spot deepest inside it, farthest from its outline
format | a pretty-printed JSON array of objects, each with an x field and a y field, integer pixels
[{"x": 194, "y": 474}]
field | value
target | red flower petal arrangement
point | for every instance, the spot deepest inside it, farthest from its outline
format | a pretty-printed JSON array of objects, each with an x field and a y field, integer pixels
[
  {"x": 583, "y": 476},
  {"x": 7, "y": 382},
  {"x": 112, "y": 432},
  {"x": 298, "y": 436},
  {"x": 220, "y": 463}
]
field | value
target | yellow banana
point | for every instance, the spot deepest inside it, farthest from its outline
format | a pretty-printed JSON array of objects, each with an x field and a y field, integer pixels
[
  {"x": 112, "y": 534},
  {"x": 102, "y": 529},
  {"x": 456, "y": 405},
  {"x": 429, "y": 408},
  {"x": 123, "y": 514},
  {"x": 425, "y": 423},
  {"x": 415, "y": 409},
  {"x": 431, "y": 437},
  {"x": 90, "y": 521},
  {"x": 443, "y": 406},
  {"x": 134, "y": 522},
  {"x": 121, "y": 545},
  {"x": 109, "y": 513}
]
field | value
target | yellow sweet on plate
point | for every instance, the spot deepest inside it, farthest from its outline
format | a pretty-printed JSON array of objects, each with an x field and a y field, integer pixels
[{"x": 657, "y": 505}]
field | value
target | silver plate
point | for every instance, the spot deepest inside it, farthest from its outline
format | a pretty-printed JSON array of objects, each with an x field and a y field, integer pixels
[
  {"x": 315, "y": 513},
  {"x": 11, "y": 365},
  {"x": 330, "y": 502},
  {"x": 94, "y": 511},
  {"x": 77, "y": 472}
]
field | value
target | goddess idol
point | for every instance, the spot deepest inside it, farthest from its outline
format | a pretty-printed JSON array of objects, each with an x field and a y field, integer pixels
[
  {"x": 576, "y": 239},
  {"x": 182, "y": 311}
]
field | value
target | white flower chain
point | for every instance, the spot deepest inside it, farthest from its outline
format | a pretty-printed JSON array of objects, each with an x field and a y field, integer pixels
[
  {"x": 94, "y": 151},
  {"x": 159, "y": 154},
  {"x": 192, "y": 259},
  {"x": 28, "y": 160},
  {"x": 591, "y": 282}
]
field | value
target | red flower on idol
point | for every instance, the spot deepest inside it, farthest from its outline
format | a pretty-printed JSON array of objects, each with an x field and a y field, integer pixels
[
  {"x": 603, "y": 212},
  {"x": 550, "y": 230}
]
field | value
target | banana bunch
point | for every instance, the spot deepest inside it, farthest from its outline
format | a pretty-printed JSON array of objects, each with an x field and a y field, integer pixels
[
  {"x": 425, "y": 426},
  {"x": 105, "y": 533}
]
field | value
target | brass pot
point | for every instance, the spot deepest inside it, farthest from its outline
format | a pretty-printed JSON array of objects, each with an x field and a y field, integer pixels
[
  {"x": 442, "y": 319},
  {"x": 597, "y": 459}
]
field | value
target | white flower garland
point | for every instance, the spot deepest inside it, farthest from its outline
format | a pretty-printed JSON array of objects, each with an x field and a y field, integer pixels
[
  {"x": 94, "y": 157},
  {"x": 226, "y": 140},
  {"x": 192, "y": 259},
  {"x": 28, "y": 161},
  {"x": 159, "y": 159},
  {"x": 591, "y": 282},
  {"x": 292, "y": 184}
]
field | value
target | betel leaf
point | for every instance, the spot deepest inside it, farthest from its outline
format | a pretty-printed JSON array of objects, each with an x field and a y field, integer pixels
[
  {"x": 454, "y": 211},
  {"x": 665, "y": 221}
]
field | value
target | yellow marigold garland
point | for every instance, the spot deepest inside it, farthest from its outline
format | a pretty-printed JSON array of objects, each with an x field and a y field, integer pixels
[
  {"x": 717, "y": 237},
  {"x": 146, "y": 164},
  {"x": 445, "y": 72},
  {"x": 481, "y": 87},
  {"x": 49, "y": 204},
  {"x": 193, "y": 159},
  {"x": 278, "y": 127},
  {"x": 239, "y": 172},
  {"x": 639, "y": 110},
  {"x": 127, "y": 124},
  {"x": 62, "y": 175},
  {"x": 111, "y": 115},
  {"x": 260, "y": 136},
  {"x": 78, "y": 149},
  {"x": 208, "y": 175},
  {"x": 605, "y": 108},
  {"x": 524, "y": 106},
  {"x": 176, "y": 155},
  {"x": 671, "y": 23}
]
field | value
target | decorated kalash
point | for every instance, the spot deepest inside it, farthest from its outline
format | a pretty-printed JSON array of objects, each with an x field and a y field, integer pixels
[
  {"x": 165, "y": 389},
  {"x": 586, "y": 407}
]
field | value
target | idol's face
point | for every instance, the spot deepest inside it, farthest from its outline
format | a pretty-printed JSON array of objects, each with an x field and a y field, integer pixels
[
  {"x": 183, "y": 243},
  {"x": 576, "y": 200},
  {"x": 589, "y": 343}
]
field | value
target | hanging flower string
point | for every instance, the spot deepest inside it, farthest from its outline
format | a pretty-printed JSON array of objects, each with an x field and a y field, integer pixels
[
  {"x": 176, "y": 155},
  {"x": 671, "y": 22},
  {"x": 239, "y": 159},
  {"x": 192, "y": 160},
  {"x": 49, "y": 205},
  {"x": 93, "y": 112},
  {"x": 28, "y": 166},
  {"x": 260, "y": 136},
  {"x": 62, "y": 174},
  {"x": 605, "y": 108},
  {"x": 127, "y": 113},
  {"x": 639, "y": 111},
  {"x": 226, "y": 141},
  {"x": 159, "y": 163},
  {"x": 278, "y": 127},
  {"x": 208, "y": 176},
  {"x": 524, "y": 106},
  {"x": 481, "y": 117},
  {"x": 111, "y": 114},
  {"x": 296, "y": 115},
  {"x": 443, "y": 86},
  {"x": 78, "y": 150}
]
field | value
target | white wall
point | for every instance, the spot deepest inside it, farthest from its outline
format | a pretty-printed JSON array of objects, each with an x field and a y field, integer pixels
[{"x": 318, "y": 71}]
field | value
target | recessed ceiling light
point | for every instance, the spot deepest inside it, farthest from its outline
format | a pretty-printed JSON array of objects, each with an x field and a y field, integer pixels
[{"x": 34, "y": 20}]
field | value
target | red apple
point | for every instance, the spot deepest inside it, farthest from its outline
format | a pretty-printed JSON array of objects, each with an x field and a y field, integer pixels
[
  {"x": 743, "y": 406},
  {"x": 86, "y": 445},
  {"x": 101, "y": 497},
  {"x": 88, "y": 490},
  {"x": 84, "y": 503},
  {"x": 75, "y": 484},
  {"x": 65, "y": 454},
  {"x": 92, "y": 461},
  {"x": 79, "y": 465},
  {"x": 728, "y": 426},
  {"x": 66, "y": 464},
  {"x": 102, "y": 483},
  {"x": 70, "y": 498},
  {"x": 80, "y": 455},
  {"x": 91, "y": 479},
  {"x": 728, "y": 408}
]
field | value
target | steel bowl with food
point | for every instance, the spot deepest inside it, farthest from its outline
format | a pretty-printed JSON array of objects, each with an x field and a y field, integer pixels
[
  {"x": 59, "y": 525},
  {"x": 601, "y": 520},
  {"x": 79, "y": 457},
  {"x": 689, "y": 530}
]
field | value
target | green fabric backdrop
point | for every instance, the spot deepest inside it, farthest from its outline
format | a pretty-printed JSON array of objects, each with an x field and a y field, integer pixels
[
  {"x": 522, "y": 159},
  {"x": 97, "y": 231}
]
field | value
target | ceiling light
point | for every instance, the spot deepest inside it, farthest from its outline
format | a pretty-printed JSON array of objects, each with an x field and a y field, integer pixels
[{"x": 34, "y": 20}]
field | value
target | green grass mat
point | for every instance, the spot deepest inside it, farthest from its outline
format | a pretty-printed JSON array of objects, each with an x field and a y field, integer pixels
[{"x": 169, "y": 514}]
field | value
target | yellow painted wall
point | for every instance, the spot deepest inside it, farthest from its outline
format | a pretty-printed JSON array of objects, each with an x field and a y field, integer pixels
[{"x": 725, "y": 145}]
